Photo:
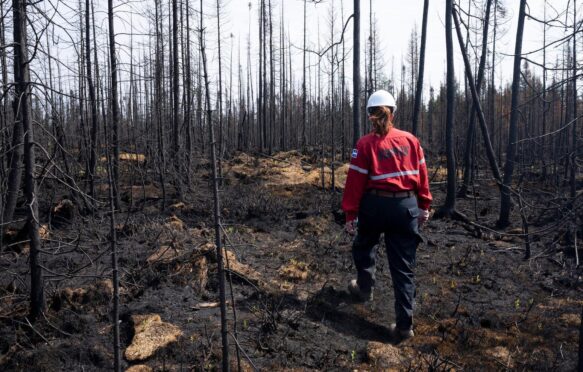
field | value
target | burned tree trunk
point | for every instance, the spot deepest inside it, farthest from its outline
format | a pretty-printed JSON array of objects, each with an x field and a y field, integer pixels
[
  {"x": 470, "y": 142},
  {"x": 448, "y": 209},
  {"x": 580, "y": 367},
  {"x": 16, "y": 151},
  {"x": 573, "y": 161},
  {"x": 505, "y": 202},
  {"x": 4, "y": 138},
  {"x": 114, "y": 183},
  {"x": 23, "y": 119},
  {"x": 175, "y": 100},
  {"x": 476, "y": 105},
  {"x": 217, "y": 210},
  {"x": 188, "y": 87},
  {"x": 304, "y": 139},
  {"x": 92, "y": 103},
  {"x": 356, "y": 75},
  {"x": 114, "y": 104},
  {"x": 419, "y": 89}
]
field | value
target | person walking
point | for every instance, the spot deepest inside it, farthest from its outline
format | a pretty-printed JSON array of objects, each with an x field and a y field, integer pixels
[{"x": 387, "y": 191}]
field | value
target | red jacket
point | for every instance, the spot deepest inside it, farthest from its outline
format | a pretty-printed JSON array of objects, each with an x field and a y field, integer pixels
[{"x": 394, "y": 162}]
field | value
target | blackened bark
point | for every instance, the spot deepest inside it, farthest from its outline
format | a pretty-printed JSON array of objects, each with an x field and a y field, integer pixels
[
  {"x": 470, "y": 142},
  {"x": 220, "y": 92},
  {"x": 4, "y": 138},
  {"x": 16, "y": 150},
  {"x": 175, "y": 99},
  {"x": 419, "y": 89},
  {"x": 356, "y": 75},
  {"x": 22, "y": 91},
  {"x": 188, "y": 87},
  {"x": 283, "y": 93},
  {"x": 114, "y": 104},
  {"x": 271, "y": 85},
  {"x": 15, "y": 170},
  {"x": 92, "y": 103},
  {"x": 580, "y": 366},
  {"x": 263, "y": 62},
  {"x": 114, "y": 267},
  {"x": 217, "y": 211},
  {"x": 505, "y": 202},
  {"x": 572, "y": 180},
  {"x": 304, "y": 93},
  {"x": 448, "y": 209},
  {"x": 114, "y": 184}
]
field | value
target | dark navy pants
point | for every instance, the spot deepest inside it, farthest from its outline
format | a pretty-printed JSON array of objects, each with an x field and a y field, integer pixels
[{"x": 397, "y": 219}]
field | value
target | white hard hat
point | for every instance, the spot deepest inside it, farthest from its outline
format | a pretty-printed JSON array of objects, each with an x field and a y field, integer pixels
[{"x": 382, "y": 98}]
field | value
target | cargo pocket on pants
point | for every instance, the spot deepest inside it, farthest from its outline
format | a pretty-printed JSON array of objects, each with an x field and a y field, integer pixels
[{"x": 414, "y": 213}]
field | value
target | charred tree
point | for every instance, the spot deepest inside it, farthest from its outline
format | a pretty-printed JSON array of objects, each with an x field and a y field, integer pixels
[
  {"x": 220, "y": 93},
  {"x": 158, "y": 92},
  {"x": 304, "y": 139},
  {"x": 4, "y": 138},
  {"x": 477, "y": 107},
  {"x": 217, "y": 211},
  {"x": 573, "y": 160},
  {"x": 23, "y": 118},
  {"x": 271, "y": 84},
  {"x": 114, "y": 266},
  {"x": 16, "y": 150},
  {"x": 189, "y": 98},
  {"x": 470, "y": 143},
  {"x": 114, "y": 104},
  {"x": 505, "y": 201},
  {"x": 175, "y": 100},
  {"x": 580, "y": 364},
  {"x": 92, "y": 103},
  {"x": 356, "y": 75},
  {"x": 419, "y": 88},
  {"x": 448, "y": 209}
]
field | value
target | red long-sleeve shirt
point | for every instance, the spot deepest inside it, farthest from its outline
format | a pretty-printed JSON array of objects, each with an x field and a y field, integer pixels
[{"x": 394, "y": 162}]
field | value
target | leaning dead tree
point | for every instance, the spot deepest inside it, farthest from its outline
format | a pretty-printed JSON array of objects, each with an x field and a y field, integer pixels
[
  {"x": 477, "y": 107},
  {"x": 470, "y": 142}
]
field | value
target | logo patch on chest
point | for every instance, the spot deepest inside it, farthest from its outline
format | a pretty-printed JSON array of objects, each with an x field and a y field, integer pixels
[{"x": 354, "y": 153}]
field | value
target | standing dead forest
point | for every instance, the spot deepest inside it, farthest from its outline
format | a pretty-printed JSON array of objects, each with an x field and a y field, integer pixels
[{"x": 170, "y": 184}]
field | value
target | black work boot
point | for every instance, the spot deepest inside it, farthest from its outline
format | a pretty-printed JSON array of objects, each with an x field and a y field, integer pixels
[
  {"x": 358, "y": 294},
  {"x": 400, "y": 334}
]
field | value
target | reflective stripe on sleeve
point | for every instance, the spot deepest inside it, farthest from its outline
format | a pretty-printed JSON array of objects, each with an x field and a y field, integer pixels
[
  {"x": 394, "y": 174},
  {"x": 358, "y": 169}
]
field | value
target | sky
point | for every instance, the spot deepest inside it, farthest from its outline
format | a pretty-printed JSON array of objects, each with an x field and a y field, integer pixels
[{"x": 395, "y": 21}]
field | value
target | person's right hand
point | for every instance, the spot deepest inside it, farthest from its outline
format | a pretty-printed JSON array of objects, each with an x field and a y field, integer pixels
[
  {"x": 350, "y": 227},
  {"x": 423, "y": 217}
]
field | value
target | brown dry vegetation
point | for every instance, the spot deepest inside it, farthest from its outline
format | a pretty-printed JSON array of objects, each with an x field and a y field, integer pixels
[{"x": 481, "y": 306}]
